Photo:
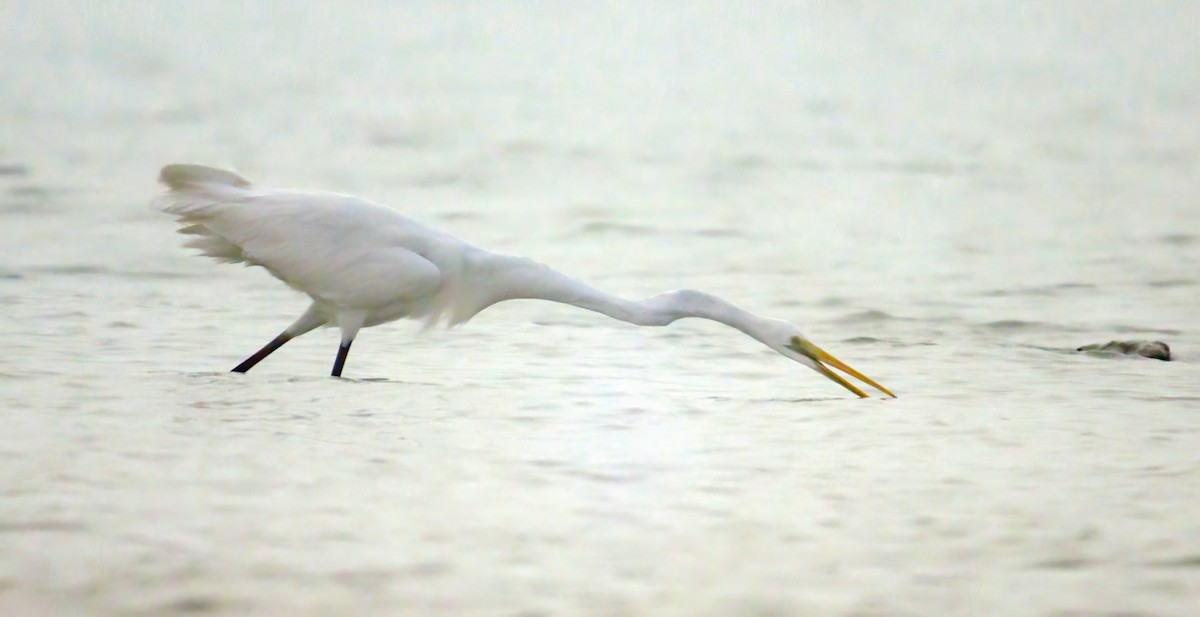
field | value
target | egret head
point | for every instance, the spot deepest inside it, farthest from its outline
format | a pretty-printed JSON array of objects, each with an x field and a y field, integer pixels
[
  {"x": 781, "y": 336},
  {"x": 804, "y": 351}
]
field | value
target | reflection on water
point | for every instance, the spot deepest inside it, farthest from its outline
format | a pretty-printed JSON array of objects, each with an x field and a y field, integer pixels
[{"x": 951, "y": 200}]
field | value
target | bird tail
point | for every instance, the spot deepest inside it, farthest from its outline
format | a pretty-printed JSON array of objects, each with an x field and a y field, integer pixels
[{"x": 194, "y": 194}]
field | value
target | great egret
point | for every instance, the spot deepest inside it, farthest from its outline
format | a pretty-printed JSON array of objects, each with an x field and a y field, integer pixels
[{"x": 364, "y": 264}]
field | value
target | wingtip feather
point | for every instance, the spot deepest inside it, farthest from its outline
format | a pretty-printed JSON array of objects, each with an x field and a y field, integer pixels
[{"x": 183, "y": 175}]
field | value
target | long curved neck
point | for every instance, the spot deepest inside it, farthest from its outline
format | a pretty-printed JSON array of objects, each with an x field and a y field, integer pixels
[
  {"x": 686, "y": 303},
  {"x": 515, "y": 278},
  {"x": 511, "y": 278}
]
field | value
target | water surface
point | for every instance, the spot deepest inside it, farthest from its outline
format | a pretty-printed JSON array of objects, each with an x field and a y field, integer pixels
[{"x": 951, "y": 199}]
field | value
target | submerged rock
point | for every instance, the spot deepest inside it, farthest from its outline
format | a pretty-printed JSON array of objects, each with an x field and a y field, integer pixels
[{"x": 1157, "y": 350}]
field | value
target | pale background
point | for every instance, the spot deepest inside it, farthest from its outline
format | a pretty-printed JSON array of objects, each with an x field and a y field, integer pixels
[{"x": 950, "y": 196}]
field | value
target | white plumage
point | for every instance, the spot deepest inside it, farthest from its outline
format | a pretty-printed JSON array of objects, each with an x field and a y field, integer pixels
[{"x": 364, "y": 264}]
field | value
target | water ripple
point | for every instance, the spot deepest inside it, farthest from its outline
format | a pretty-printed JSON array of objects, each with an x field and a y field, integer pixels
[
  {"x": 604, "y": 227},
  {"x": 1020, "y": 325},
  {"x": 14, "y": 170},
  {"x": 1180, "y": 239},
  {"x": 867, "y": 316},
  {"x": 1046, "y": 290}
]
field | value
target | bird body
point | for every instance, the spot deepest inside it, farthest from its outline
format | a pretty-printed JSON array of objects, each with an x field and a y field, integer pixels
[{"x": 364, "y": 264}]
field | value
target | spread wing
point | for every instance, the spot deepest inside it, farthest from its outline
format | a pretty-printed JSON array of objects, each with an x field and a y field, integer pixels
[{"x": 340, "y": 249}]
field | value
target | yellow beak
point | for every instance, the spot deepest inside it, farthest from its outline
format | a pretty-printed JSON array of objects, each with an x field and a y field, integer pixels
[{"x": 822, "y": 357}]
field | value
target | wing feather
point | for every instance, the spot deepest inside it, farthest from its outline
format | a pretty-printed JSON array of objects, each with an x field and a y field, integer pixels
[{"x": 340, "y": 249}]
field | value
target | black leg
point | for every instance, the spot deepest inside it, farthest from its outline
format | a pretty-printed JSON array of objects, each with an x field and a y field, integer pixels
[
  {"x": 343, "y": 351},
  {"x": 275, "y": 343}
]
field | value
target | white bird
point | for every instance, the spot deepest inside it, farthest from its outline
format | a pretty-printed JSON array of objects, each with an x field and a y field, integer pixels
[{"x": 364, "y": 264}]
